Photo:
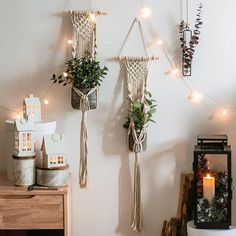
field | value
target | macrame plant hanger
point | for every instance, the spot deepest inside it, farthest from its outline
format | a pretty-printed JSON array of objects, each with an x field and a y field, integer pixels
[
  {"x": 136, "y": 81},
  {"x": 84, "y": 45}
]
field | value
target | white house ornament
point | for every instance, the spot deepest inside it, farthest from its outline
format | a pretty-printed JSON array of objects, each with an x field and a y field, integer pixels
[
  {"x": 32, "y": 108},
  {"x": 24, "y": 137},
  {"x": 54, "y": 151}
]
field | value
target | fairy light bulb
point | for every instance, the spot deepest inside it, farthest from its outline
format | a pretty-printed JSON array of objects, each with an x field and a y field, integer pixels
[
  {"x": 160, "y": 42},
  {"x": 145, "y": 12},
  {"x": 18, "y": 116},
  {"x": 65, "y": 74},
  {"x": 46, "y": 102},
  {"x": 175, "y": 71},
  {"x": 195, "y": 97},
  {"x": 224, "y": 112},
  {"x": 69, "y": 41},
  {"x": 92, "y": 16}
]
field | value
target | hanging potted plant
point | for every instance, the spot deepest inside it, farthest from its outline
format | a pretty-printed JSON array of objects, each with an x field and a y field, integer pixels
[
  {"x": 140, "y": 114},
  {"x": 84, "y": 75}
]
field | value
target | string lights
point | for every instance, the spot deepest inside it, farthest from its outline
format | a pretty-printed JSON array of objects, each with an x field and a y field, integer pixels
[
  {"x": 175, "y": 72},
  {"x": 145, "y": 12},
  {"x": 195, "y": 95},
  {"x": 18, "y": 112},
  {"x": 92, "y": 16},
  {"x": 46, "y": 102},
  {"x": 65, "y": 74},
  {"x": 69, "y": 41},
  {"x": 18, "y": 116},
  {"x": 159, "y": 42},
  {"x": 225, "y": 112}
]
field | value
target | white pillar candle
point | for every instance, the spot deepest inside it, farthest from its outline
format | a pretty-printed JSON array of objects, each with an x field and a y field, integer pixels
[{"x": 209, "y": 188}]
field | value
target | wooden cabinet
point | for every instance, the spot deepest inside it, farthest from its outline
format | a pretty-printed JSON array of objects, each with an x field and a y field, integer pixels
[{"x": 21, "y": 209}]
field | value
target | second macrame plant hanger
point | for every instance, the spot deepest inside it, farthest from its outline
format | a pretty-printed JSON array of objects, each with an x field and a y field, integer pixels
[
  {"x": 83, "y": 45},
  {"x": 136, "y": 81}
]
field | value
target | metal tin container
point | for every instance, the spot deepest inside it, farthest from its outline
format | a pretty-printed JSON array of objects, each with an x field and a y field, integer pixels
[
  {"x": 75, "y": 98},
  {"x": 53, "y": 176},
  {"x": 24, "y": 170},
  {"x": 132, "y": 142}
]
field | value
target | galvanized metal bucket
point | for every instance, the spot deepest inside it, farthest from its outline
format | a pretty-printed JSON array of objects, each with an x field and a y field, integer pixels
[
  {"x": 132, "y": 142},
  {"x": 75, "y": 98}
]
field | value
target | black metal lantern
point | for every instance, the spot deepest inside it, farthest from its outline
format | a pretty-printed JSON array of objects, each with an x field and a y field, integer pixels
[{"x": 212, "y": 182}]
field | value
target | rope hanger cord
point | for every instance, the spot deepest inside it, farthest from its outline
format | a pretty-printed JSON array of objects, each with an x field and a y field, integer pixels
[{"x": 144, "y": 42}]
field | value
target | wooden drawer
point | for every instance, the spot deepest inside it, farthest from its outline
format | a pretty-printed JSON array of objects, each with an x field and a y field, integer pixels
[{"x": 31, "y": 212}]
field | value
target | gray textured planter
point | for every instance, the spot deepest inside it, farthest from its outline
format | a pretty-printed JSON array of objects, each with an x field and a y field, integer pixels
[
  {"x": 131, "y": 142},
  {"x": 75, "y": 98}
]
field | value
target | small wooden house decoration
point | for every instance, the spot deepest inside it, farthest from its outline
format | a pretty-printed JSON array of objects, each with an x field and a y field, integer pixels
[
  {"x": 24, "y": 141},
  {"x": 54, "y": 150},
  {"x": 32, "y": 107}
]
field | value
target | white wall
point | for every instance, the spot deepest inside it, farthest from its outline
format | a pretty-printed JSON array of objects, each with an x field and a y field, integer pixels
[{"x": 33, "y": 46}]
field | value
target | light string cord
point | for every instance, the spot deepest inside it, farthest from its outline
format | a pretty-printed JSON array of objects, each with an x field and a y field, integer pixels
[
  {"x": 165, "y": 51},
  {"x": 170, "y": 60},
  {"x": 173, "y": 65},
  {"x": 17, "y": 111}
]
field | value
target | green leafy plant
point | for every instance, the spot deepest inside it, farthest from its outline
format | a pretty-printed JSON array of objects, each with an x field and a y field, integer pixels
[
  {"x": 84, "y": 72},
  {"x": 141, "y": 112}
]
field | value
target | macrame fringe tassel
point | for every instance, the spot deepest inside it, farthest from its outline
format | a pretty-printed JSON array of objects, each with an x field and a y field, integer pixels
[
  {"x": 136, "y": 217},
  {"x": 83, "y": 178}
]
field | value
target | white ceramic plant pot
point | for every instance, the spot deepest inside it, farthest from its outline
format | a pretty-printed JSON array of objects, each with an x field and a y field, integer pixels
[
  {"x": 25, "y": 172},
  {"x": 53, "y": 177},
  {"x": 192, "y": 231},
  {"x": 41, "y": 128}
]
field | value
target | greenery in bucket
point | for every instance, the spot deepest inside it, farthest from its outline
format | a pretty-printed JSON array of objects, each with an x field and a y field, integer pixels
[
  {"x": 84, "y": 72},
  {"x": 141, "y": 112}
]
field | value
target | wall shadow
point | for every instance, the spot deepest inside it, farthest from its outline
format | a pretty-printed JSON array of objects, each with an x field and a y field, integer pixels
[{"x": 114, "y": 138}]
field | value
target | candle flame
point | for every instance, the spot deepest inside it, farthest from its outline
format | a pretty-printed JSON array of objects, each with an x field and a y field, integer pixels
[{"x": 208, "y": 176}]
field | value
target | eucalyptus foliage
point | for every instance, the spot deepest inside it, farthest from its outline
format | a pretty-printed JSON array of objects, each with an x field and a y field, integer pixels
[
  {"x": 188, "y": 51},
  {"x": 84, "y": 72},
  {"x": 141, "y": 112}
]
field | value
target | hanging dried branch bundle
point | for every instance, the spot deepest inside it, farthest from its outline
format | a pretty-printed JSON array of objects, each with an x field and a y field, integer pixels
[{"x": 189, "y": 40}]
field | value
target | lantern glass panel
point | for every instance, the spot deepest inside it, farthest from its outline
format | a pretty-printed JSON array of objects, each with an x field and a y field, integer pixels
[{"x": 212, "y": 188}]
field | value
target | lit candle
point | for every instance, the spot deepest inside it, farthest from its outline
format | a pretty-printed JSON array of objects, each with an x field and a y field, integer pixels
[{"x": 209, "y": 188}]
